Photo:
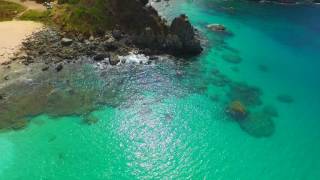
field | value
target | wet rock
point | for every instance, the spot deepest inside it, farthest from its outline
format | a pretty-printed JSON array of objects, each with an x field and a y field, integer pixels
[
  {"x": 100, "y": 57},
  {"x": 216, "y": 27},
  {"x": 258, "y": 124},
  {"x": 116, "y": 33},
  {"x": 46, "y": 68},
  {"x": 285, "y": 98},
  {"x": 113, "y": 59},
  {"x": 182, "y": 28},
  {"x": 66, "y": 41},
  {"x": 59, "y": 67},
  {"x": 111, "y": 46},
  {"x": 2, "y": 96},
  {"x": 237, "y": 110}
]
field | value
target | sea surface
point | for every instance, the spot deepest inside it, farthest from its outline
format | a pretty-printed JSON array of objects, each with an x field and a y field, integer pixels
[{"x": 169, "y": 119}]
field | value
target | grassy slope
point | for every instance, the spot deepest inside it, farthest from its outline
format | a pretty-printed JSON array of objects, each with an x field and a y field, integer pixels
[
  {"x": 83, "y": 16},
  {"x": 9, "y": 10},
  {"x": 34, "y": 15}
]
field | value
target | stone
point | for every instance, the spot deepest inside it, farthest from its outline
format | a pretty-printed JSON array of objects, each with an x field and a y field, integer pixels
[
  {"x": 237, "y": 110},
  {"x": 59, "y": 67},
  {"x": 99, "y": 57},
  {"x": 45, "y": 68},
  {"x": 113, "y": 59},
  {"x": 217, "y": 27},
  {"x": 182, "y": 27},
  {"x": 66, "y": 41},
  {"x": 1, "y": 97},
  {"x": 116, "y": 33},
  {"x": 111, "y": 46}
]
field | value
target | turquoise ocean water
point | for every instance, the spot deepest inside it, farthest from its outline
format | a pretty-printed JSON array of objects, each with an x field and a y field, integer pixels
[{"x": 167, "y": 120}]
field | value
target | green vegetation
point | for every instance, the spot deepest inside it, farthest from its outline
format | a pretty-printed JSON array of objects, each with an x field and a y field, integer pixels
[
  {"x": 34, "y": 15},
  {"x": 9, "y": 10},
  {"x": 84, "y": 16}
]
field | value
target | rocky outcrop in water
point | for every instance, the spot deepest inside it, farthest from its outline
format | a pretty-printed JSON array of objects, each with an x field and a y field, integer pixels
[
  {"x": 149, "y": 31},
  {"x": 180, "y": 38}
]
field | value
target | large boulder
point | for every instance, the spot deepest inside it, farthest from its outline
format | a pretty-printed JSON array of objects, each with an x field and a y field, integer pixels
[{"x": 182, "y": 28}]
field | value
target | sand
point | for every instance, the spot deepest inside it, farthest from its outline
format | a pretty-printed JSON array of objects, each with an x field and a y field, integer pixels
[{"x": 12, "y": 34}]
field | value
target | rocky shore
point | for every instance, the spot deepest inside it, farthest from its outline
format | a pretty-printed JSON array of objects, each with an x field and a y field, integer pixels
[{"x": 46, "y": 55}]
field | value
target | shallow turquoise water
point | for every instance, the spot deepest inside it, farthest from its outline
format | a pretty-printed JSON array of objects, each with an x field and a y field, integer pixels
[{"x": 159, "y": 124}]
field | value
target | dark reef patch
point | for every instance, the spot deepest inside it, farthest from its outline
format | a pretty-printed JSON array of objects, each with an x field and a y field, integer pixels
[
  {"x": 258, "y": 124},
  {"x": 249, "y": 95},
  {"x": 284, "y": 98}
]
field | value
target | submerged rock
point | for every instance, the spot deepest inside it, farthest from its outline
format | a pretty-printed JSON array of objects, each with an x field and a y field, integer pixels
[
  {"x": 285, "y": 98},
  {"x": 66, "y": 41},
  {"x": 237, "y": 110},
  {"x": 248, "y": 95},
  {"x": 258, "y": 124},
  {"x": 217, "y": 27}
]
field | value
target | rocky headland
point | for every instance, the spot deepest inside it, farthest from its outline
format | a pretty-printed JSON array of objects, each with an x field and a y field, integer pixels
[{"x": 101, "y": 31}]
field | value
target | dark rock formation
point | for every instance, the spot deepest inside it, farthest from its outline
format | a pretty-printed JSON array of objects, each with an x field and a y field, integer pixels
[
  {"x": 59, "y": 67},
  {"x": 285, "y": 98},
  {"x": 258, "y": 124},
  {"x": 66, "y": 41},
  {"x": 216, "y": 27},
  {"x": 237, "y": 110},
  {"x": 150, "y": 30},
  {"x": 132, "y": 22},
  {"x": 182, "y": 28}
]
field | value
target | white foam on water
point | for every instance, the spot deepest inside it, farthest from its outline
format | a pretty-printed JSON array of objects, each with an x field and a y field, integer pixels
[
  {"x": 134, "y": 58},
  {"x": 6, "y": 157}
]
